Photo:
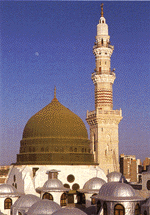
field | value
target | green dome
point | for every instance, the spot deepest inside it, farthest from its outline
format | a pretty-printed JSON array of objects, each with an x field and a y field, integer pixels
[
  {"x": 55, "y": 120},
  {"x": 55, "y": 135}
]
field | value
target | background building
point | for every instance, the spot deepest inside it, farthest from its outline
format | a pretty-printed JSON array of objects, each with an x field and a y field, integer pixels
[{"x": 129, "y": 167}]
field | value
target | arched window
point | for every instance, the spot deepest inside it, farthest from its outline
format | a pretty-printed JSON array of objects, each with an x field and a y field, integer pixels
[
  {"x": 80, "y": 198},
  {"x": 63, "y": 200},
  {"x": 145, "y": 212},
  {"x": 137, "y": 209},
  {"x": 119, "y": 210},
  {"x": 98, "y": 206},
  {"x": 93, "y": 202},
  {"x": 104, "y": 209},
  {"x": 7, "y": 203},
  {"x": 47, "y": 196}
]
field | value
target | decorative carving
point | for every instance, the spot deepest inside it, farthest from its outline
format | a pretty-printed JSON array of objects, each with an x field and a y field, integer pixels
[{"x": 103, "y": 78}]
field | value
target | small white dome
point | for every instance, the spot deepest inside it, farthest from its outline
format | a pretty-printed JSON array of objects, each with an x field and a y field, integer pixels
[
  {"x": 113, "y": 191},
  {"x": 94, "y": 184},
  {"x": 69, "y": 211},
  {"x": 53, "y": 183},
  {"x": 43, "y": 207},
  {"x": 25, "y": 201},
  {"x": 115, "y": 177},
  {"x": 8, "y": 189}
]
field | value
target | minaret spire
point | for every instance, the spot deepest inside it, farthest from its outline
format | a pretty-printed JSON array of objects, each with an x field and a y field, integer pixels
[{"x": 102, "y": 13}]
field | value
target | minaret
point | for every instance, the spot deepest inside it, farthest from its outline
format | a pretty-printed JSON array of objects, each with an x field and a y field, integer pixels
[{"x": 104, "y": 120}]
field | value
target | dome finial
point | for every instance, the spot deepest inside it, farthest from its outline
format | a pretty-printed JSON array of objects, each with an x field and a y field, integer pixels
[
  {"x": 55, "y": 92},
  {"x": 102, "y": 13},
  {"x": 55, "y": 99}
]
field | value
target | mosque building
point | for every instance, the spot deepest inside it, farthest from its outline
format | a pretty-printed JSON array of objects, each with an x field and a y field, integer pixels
[{"x": 58, "y": 165}]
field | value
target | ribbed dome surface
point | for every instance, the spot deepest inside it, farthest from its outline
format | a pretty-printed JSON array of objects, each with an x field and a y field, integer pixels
[
  {"x": 8, "y": 189},
  {"x": 93, "y": 184},
  {"x": 115, "y": 191},
  {"x": 55, "y": 135},
  {"x": 25, "y": 201},
  {"x": 69, "y": 211},
  {"x": 43, "y": 207},
  {"x": 115, "y": 177},
  {"x": 55, "y": 120}
]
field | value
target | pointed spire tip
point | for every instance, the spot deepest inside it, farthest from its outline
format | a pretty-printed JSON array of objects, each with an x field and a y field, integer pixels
[{"x": 102, "y": 13}]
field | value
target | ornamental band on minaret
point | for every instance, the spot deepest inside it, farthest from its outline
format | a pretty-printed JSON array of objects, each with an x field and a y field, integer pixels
[{"x": 104, "y": 120}]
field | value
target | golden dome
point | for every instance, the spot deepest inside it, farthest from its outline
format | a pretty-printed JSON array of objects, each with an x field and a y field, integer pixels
[
  {"x": 55, "y": 135},
  {"x": 55, "y": 120}
]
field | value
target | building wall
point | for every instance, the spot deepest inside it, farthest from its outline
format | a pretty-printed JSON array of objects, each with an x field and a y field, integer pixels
[{"x": 27, "y": 180}]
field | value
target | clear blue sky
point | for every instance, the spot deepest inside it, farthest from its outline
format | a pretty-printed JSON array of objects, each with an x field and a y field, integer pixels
[{"x": 44, "y": 44}]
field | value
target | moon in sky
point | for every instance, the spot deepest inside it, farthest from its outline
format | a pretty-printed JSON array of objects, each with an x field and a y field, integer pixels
[{"x": 36, "y": 53}]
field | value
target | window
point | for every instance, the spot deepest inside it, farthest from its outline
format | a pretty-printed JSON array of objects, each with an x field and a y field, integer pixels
[
  {"x": 70, "y": 178},
  {"x": 47, "y": 196},
  {"x": 137, "y": 209},
  {"x": 148, "y": 184},
  {"x": 75, "y": 186},
  {"x": 98, "y": 206},
  {"x": 94, "y": 143},
  {"x": 7, "y": 203},
  {"x": 66, "y": 186},
  {"x": 93, "y": 202},
  {"x": 104, "y": 209},
  {"x": 80, "y": 198},
  {"x": 119, "y": 210},
  {"x": 63, "y": 200}
]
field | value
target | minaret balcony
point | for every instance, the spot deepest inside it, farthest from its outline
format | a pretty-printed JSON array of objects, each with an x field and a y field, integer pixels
[{"x": 92, "y": 114}]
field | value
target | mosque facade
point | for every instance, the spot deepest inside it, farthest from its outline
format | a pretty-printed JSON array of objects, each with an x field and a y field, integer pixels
[{"x": 58, "y": 165}]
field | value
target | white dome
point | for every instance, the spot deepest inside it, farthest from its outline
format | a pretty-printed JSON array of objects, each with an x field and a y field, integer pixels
[
  {"x": 53, "y": 183},
  {"x": 94, "y": 184},
  {"x": 8, "y": 189},
  {"x": 69, "y": 211},
  {"x": 25, "y": 201},
  {"x": 43, "y": 207},
  {"x": 113, "y": 191},
  {"x": 115, "y": 177}
]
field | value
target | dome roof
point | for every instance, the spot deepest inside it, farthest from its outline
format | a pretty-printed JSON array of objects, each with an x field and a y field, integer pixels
[
  {"x": 25, "y": 201},
  {"x": 44, "y": 207},
  {"x": 8, "y": 189},
  {"x": 69, "y": 211},
  {"x": 52, "y": 185},
  {"x": 114, "y": 191},
  {"x": 55, "y": 120},
  {"x": 52, "y": 133},
  {"x": 115, "y": 177},
  {"x": 94, "y": 184}
]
